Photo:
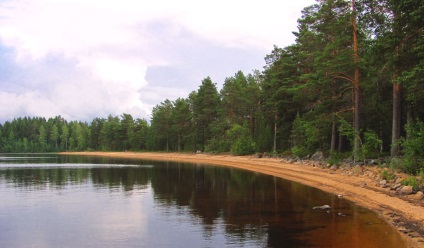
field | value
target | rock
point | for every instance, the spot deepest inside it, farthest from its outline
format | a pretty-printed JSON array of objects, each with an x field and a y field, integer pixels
[
  {"x": 363, "y": 184},
  {"x": 323, "y": 207},
  {"x": 259, "y": 155},
  {"x": 347, "y": 160},
  {"x": 317, "y": 156},
  {"x": 383, "y": 183},
  {"x": 372, "y": 162},
  {"x": 419, "y": 195},
  {"x": 396, "y": 186},
  {"x": 334, "y": 167},
  {"x": 357, "y": 169},
  {"x": 406, "y": 190}
]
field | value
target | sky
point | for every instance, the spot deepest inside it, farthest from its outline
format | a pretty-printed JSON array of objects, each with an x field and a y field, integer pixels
[{"x": 83, "y": 59}]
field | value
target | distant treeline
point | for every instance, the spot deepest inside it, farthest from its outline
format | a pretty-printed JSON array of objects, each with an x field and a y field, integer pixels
[
  {"x": 57, "y": 134},
  {"x": 351, "y": 85}
]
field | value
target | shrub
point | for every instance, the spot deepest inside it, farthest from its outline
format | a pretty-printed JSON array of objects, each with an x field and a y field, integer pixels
[
  {"x": 371, "y": 144},
  {"x": 216, "y": 145},
  {"x": 413, "y": 148},
  {"x": 243, "y": 146},
  {"x": 411, "y": 181},
  {"x": 300, "y": 151},
  {"x": 337, "y": 157},
  {"x": 242, "y": 142},
  {"x": 387, "y": 175}
]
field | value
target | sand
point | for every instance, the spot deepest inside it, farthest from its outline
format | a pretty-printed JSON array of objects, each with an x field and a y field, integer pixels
[{"x": 404, "y": 213}]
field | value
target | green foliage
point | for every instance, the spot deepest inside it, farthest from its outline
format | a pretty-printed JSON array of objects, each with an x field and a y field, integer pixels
[
  {"x": 387, "y": 174},
  {"x": 411, "y": 181},
  {"x": 218, "y": 145},
  {"x": 307, "y": 135},
  {"x": 162, "y": 124},
  {"x": 42, "y": 138},
  {"x": 413, "y": 148},
  {"x": 242, "y": 142},
  {"x": 346, "y": 129},
  {"x": 243, "y": 146},
  {"x": 205, "y": 110},
  {"x": 64, "y": 136},
  {"x": 299, "y": 151},
  {"x": 337, "y": 157},
  {"x": 371, "y": 144}
]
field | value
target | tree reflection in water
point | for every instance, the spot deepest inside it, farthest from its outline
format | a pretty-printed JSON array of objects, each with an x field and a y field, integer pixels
[{"x": 268, "y": 211}]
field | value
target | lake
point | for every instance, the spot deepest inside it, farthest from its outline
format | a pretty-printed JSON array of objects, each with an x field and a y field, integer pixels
[{"x": 50, "y": 200}]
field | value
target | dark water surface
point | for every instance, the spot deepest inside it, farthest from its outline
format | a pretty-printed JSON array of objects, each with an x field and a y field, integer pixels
[{"x": 70, "y": 201}]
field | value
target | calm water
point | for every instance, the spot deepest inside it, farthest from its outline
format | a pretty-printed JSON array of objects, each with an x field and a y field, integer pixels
[{"x": 61, "y": 201}]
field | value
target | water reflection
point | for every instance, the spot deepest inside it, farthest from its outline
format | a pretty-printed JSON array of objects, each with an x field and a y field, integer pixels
[{"x": 130, "y": 202}]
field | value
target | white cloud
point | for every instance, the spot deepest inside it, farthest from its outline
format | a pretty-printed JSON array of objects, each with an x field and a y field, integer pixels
[{"x": 113, "y": 44}]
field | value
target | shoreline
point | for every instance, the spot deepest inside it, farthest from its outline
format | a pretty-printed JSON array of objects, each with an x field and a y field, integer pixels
[{"x": 404, "y": 213}]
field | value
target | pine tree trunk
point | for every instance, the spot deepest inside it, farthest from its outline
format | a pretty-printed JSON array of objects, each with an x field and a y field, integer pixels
[
  {"x": 275, "y": 133},
  {"x": 356, "y": 123},
  {"x": 395, "y": 149},
  {"x": 179, "y": 143},
  {"x": 409, "y": 119},
  {"x": 340, "y": 147},
  {"x": 252, "y": 122},
  {"x": 333, "y": 136},
  {"x": 397, "y": 94}
]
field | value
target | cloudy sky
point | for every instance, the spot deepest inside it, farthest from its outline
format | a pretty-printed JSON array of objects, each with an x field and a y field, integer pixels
[{"x": 90, "y": 58}]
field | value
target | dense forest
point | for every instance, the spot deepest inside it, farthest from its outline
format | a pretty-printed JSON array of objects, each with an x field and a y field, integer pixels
[{"x": 351, "y": 85}]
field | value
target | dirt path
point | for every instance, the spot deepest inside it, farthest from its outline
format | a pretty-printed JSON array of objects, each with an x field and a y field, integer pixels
[{"x": 404, "y": 213}]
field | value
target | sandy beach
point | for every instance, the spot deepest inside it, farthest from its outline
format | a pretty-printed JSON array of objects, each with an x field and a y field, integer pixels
[{"x": 404, "y": 213}]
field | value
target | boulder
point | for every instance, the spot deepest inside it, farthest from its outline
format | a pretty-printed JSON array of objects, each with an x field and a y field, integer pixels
[
  {"x": 396, "y": 186},
  {"x": 357, "y": 169},
  {"x": 317, "y": 156},
  {"x": 419, "y": 195},
  {"x": 406, "y": 190},
  {"x": 383, "y": 183},
  {"x": 323, "y": 207},
  {"x": 347, "y": 160}
]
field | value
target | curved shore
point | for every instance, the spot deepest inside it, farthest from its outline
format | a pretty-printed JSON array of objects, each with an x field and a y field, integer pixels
[{"x": 402, "y": 212}]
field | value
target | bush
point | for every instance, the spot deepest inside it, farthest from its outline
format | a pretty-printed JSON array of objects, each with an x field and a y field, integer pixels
[
  {"x": 242, "y": 142},
  {"x": 371, "y": 144},
  {"x": 337, "y": 157},
  {"x": 216, "y": 145},
  {"x": 411, "y": 181},
  {"x": 300, "y": 151},
  {"x": 243, "y": 146},
  {"x": 413, "y": 148},
  {"x": 387, "y": 175}
]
